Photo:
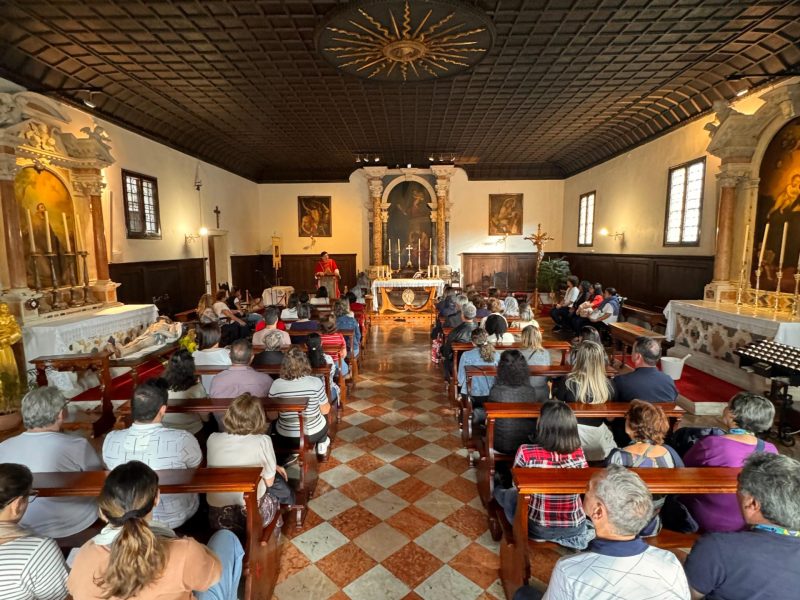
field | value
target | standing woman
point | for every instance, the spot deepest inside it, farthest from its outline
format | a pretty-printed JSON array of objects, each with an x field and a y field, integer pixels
[
  {"x": 133, "y": 558},
  {"x": 587, "y": 383},
  {"x": 535, "y": 355},
  {"x": 31, "y": 566}
]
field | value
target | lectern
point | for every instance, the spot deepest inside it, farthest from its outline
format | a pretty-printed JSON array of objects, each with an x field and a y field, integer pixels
[{"x": 329, "y": 281}]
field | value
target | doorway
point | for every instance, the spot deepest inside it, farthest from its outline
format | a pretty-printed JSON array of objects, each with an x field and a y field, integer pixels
[{"x": 219, "y": 262}]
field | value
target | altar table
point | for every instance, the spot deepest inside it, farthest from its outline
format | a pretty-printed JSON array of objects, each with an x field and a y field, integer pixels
[
  {"x": 434, "y": 287},
  {"x": 711, "y": 331},
  {"x": 85, "y": 333}
]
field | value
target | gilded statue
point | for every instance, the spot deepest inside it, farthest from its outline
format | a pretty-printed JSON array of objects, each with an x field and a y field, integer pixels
[{"x": 10, "y": 334}]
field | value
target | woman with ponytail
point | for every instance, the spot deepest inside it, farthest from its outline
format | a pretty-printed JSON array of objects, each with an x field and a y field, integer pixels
[
  {"x": 135, "y": 558},
  {"x": 31, "y": 566},
  {"x": 483, "y": 354}
]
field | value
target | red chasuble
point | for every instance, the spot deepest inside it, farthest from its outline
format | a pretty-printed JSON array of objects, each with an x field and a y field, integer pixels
[{"x": 328, "y": 268}]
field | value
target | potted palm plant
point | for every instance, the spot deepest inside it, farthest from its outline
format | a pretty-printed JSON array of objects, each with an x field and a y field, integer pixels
[{"x": 553, "y": 273}]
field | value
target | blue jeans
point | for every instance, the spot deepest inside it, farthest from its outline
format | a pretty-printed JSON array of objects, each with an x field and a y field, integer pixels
[
  {"x": 572, "y": 537},
  {"x": 560, "y": 316},
  {"x": 228, "y": 549}
]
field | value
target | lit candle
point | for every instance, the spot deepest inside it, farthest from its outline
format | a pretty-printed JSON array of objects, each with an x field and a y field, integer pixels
[
  {"x": 390, "y": 256},
  {"x": 47, "y": 233},
  {"x": 783, "y": 244},
  {"x": 30, "y": 230},
  {"x": 744, "y": 246},
  {"x": 430, "y": 251},
  {"x": 419, "y": 254},
  {"x": 399, "y": 258},
  {"x": 763, "y": 247},
  {"x": 66, "y": 233},
  {"x": 78, "y": 233}
]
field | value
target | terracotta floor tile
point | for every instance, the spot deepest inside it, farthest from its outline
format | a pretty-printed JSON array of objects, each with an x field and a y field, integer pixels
[
  {"x": 411, "y": 489},
  {"x": 410, "y": 411},
  {"x": 360, "y": 489},
  {"x": 411, "y": 463},
  {"x": 412, "y": 521},
  {"x": 450, "y": 442},
  {"x": 375, "y": 411},
  {"x": 292, "y": 561},
  {"x": 354, "y": 521},
  {"x": 477, "y": 563},
  {"x": 410, "y": 425},
  {"x": 460, "y": 489},
  {"x": 410, "y": 443},
  {"x": 373, "y": 425},
  {"x": 412, "y": 565},
  {"x": 366, "y": 463},
  {"x": 329, "y": 464},
  {"x": 323, "y": 487},
  {"x": 345, "y": 564},
  {"x": 370, "y": 442},
  {"x": 469, "y": 521},
  {"x": 412, "y": 596}
]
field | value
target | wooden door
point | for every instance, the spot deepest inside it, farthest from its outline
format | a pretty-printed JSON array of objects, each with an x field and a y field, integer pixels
[{"x": 212, "y": 263}]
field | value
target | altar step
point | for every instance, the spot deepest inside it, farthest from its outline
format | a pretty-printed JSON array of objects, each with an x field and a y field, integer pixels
[{"x": 702, "y": 394}]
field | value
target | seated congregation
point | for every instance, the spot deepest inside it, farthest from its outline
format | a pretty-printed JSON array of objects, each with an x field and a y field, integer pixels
[{"x": 521, "y": 409}]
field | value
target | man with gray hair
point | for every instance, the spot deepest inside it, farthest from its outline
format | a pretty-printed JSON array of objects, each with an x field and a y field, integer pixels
[
  {"x": 617, "y": 564},
  {"x": 645, "y": 381},
  {"x": 240, "y": 377},
  {"x": 43, "y": 448},
  {"x": 761, "y": 561},
  {"x": 456, "y": 318}
]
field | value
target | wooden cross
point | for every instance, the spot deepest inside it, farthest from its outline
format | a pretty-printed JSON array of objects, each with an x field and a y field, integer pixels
[
  {"x": 217, "y": 212},
  {"x": 539, "y": 239}
]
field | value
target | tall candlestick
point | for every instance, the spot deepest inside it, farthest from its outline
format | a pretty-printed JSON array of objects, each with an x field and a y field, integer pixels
[
  {"x": 430, "y": 251},
  {"x": 78, "y": 234},
  {"x": 744, "y": 245},
  {"x": 47, "y": 233},
  {"x": 783, "y": 244},
  {"x": 399, "y": 258},
  {"x": 30, "y": 230},
  {"x": 66, "y": 233},
  {"x": 419, "y": 254},
  {"x": 390, "y": 256},
  {"x": 763, "y": 246}
]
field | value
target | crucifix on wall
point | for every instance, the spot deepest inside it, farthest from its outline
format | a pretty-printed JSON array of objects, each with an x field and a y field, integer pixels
[{"x": 217, "y": 212}]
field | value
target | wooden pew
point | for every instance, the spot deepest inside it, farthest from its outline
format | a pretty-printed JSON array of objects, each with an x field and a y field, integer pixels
[
  {"x": 490, "y": 458},
  {"x": 516, "y": 550},
  {"x": 99, "y": 362},
  {"x": 336, "y": 352},
  {"x": 466, "y": 408},
  {"x": 460, "y": 347},
  {"x": 187, "y": 316},
  {"x": 262, "y": 544},
  {"x": 163, "y": 353},
  {"x": 654, "y": 319}
]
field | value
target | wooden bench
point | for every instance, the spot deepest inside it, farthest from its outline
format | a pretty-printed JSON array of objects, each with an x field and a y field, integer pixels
[
  {"x": 187, "y": 316},
  {"x": 625, "y": 334},
  {"x": 99, "y": 362},
  {"x": 654, "y": 319},
  {"x": 516, "y": 551},
  {"x": 460, "y": 347},
  {"x": 262, "y": 544},
  {"x": 163, "y": 353},
  {"x": 490, "y": 458}
]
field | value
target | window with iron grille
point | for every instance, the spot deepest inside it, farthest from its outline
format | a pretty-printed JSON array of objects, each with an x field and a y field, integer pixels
[
  {"x": 142, "y": 218},
  {"x": 586, "y": 219},
  {"x": 684, "y": 204}
]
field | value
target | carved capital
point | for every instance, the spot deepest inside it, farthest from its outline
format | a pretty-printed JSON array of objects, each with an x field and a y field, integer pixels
[
  {"x": 88, "y": 184},
  {"x": 729, "y": 178},
  {"x": 375, "y": 188}
]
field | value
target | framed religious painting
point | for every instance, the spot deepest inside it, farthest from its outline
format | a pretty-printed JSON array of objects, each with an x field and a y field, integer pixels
[
  {"x": 505, "y": 214},
  {"x": 314, "y": 216}
]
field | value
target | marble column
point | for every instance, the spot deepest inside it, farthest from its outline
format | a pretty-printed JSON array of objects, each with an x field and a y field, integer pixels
[
  {"x": 375, "y": 194},
  {"x": 442, "y": 188},
  {"x": 12, "y": 230},
  {"x": 724, "y": 250},
  {"x": 89, "y": 183}
]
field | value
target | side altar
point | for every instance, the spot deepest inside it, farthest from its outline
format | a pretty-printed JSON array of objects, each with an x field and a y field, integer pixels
[{"x": 754, "y": 291}]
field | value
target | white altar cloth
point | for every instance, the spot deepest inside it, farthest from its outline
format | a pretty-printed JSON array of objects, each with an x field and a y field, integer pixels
[
  {"x": 404, "y": 283},
  {"x": 84, "y": 333},
  {"x": 778, "y": 327}
]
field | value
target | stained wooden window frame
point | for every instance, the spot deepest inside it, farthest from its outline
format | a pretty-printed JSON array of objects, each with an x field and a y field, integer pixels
[
  {"x": 143, "y": 233},
  {"x": 582, "y": 223},
  {"x": 685, "y": 167}
]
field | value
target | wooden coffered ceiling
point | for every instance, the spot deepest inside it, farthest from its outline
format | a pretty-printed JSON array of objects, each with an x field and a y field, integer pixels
[{"x": 566, "y": 85}]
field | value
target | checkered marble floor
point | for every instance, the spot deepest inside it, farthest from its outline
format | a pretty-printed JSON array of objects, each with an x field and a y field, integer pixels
[{"x": 396, "y": 513}]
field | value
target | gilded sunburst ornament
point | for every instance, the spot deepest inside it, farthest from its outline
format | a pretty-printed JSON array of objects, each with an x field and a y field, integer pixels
[{"x": 402, "y": 40}]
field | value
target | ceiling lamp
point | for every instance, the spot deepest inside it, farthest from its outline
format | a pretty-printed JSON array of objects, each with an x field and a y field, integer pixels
[
  {"x": 377, "y": 159},
  {"x": 387, "y": 40}
]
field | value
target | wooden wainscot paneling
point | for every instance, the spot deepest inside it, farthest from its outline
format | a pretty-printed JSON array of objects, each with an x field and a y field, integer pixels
[
  {"x": 297, "y": 270},
  {"x": 174, "y": 285},
  {"x": 252, "y": 272},
  {"x": 646, "y": 280}
]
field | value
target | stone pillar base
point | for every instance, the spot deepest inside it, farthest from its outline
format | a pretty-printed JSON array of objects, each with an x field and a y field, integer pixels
[
  {"x": 19, "y": 303},
  {"x": 105, "y": 291},
  {"x": 720, "y": 291}
]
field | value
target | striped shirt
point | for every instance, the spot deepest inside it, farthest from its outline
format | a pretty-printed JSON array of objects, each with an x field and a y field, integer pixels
[
  {"x": 553, "y": 510},
  {"x": 32, "y": 568},
  {"x": 310, "y": 387}
]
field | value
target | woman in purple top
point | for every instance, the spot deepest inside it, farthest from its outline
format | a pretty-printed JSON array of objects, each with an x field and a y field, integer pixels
[{"x": 745, "y": 416}]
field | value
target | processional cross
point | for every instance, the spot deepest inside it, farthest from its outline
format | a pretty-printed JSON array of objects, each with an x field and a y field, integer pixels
[
  {"x": 539, "y": 239},
  {"x": 217, "y": 212}
]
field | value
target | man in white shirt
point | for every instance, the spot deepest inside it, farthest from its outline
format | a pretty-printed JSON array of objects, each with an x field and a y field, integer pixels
[
  {"x": 271, "y": 324},
  {"x": 44, "y": 449},
  {"x": 159, "y": 447},
  {"x": 617, "y": 564}
]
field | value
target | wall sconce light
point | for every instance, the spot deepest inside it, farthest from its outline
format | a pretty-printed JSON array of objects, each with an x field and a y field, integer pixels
[
  {"x": 191, "y": 237},
  {"x": 616, "y": 235}
]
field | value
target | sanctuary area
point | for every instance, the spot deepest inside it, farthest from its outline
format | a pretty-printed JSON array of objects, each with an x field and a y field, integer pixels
[{"x": 404, "y": 299}]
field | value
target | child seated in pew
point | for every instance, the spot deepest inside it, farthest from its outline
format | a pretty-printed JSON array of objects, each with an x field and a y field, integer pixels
[
  {"x": 330, "y": 335},
  {"x": 556, "y": 518},
  {"x": 31, "y": 566},
  {"x": 133, "y": 557},
  {"x": 245, "y": 443}
]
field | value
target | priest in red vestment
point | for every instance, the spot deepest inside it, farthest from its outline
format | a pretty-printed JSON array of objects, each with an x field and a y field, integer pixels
[{"x": 327, "y": 267}]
